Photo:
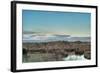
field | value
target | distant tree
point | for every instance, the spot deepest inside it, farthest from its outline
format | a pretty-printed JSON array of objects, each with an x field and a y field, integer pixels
[{"x": 78, "y": 42}]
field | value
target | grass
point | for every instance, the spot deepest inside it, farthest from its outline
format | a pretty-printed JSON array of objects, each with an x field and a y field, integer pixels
[{"x": 39, "y": 57}]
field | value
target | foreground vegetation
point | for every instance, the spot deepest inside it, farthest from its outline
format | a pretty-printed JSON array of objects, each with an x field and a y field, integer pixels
[{"x": 55, "y": 51}]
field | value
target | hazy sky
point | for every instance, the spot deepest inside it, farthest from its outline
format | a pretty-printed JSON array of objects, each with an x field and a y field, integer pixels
[{"x": 50, "y": 22}]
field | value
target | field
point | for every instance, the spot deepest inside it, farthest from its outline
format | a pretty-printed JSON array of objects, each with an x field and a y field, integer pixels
[{"x": 55, "y": 51}]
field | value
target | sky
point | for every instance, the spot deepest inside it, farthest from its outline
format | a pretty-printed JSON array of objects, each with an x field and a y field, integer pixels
[{"x": 53, "y": 22}]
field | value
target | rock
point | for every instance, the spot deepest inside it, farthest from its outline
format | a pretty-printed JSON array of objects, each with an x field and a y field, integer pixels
[{"x": 87, "y": 55}]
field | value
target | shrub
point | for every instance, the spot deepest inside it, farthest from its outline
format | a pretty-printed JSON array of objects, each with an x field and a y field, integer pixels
[{"x": 24, "y": 51}]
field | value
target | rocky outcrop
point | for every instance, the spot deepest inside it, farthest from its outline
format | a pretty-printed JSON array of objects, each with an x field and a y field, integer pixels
[{"x": 87, "y": 55}]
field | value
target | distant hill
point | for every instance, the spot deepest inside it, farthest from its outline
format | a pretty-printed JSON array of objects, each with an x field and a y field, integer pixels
[{"x": 46, "y": 38}]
